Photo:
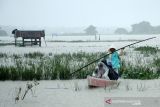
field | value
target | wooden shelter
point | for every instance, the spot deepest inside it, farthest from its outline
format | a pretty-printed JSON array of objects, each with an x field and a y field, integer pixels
[{"x": 33, "y": 35}]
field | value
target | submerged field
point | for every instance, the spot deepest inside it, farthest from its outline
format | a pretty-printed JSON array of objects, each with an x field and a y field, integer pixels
[
  {"x": 57, "y": 60},
  {"x": 60, "y": 93},
  {"x": 52, "y": 64},
  {"x": 138, "y": 63}
]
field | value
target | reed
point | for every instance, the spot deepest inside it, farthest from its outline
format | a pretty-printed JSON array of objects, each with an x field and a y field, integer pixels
[
  {"x": 42, "y": 66},
  {"x": 3, "y": 55},
  {"x": 147, "y": 49},
  {"x": 34, "y": 55}
]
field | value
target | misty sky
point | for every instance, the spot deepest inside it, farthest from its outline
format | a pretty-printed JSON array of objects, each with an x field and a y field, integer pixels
[{"x": 75, "y": 13}]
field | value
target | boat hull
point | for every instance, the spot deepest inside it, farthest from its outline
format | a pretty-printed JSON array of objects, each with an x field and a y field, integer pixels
[{"x": 99, "y": 82}]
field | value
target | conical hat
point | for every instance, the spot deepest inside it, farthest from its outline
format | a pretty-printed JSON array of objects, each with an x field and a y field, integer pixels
[{"x": 112, "y": 46}]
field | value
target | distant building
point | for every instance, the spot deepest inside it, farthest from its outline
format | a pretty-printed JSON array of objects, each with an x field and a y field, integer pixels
[{"x": 33, "y": 36}]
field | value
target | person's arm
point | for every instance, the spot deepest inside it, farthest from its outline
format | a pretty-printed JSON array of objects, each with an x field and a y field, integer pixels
[{"x": 121, "y": 52}]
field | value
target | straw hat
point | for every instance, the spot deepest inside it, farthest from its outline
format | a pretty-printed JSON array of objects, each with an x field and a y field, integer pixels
[{"x": 112, "y": 46}]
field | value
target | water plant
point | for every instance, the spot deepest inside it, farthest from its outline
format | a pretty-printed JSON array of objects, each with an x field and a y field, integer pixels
[
  {"x": 42, "y": 66},
  {"x": 34, "y": 55},
  {"x": 147, "y": 49},
  {"x": 139, "y": 72},
  {"x": 3, "y": 55}
]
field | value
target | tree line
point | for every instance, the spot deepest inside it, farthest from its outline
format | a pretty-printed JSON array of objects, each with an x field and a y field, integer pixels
[
  {"x": 3, "y": 32},
  {"x": 143, "y": 27}
]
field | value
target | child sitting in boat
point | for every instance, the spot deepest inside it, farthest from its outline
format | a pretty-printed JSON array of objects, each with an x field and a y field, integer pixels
[{"x": 101, "y": 71}]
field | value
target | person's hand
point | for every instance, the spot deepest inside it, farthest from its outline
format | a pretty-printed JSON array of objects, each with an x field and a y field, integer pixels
[
  {"x": 122, "y": 51},
  {"x": 123, "y": 48}
]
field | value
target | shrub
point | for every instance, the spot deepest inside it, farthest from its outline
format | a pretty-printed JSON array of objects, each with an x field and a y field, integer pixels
[
  {"x": 4, "y": 73},
  {"x": 147, "y": 49},
  {"x": 156, "y": 63},
  {"x": 139, "y": 72}
]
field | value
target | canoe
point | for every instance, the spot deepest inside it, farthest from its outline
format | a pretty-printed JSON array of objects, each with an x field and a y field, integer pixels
[{"x": 99, "y": 82}]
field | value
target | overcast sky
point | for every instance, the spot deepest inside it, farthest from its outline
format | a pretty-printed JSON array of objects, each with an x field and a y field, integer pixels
[{"x": 77, "y": 13}]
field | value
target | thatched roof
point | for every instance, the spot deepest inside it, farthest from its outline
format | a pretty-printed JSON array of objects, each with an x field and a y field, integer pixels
[{"x": 28, "y": 33}]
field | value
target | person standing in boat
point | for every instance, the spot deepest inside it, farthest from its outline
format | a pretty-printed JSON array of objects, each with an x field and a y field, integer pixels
[
  {"x": 113, "y": 62},
  {"x": 109, "y": 68}
]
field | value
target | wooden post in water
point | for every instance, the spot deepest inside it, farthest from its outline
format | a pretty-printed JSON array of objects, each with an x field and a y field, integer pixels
[
  {"x": 99, "y": 37},
  {"x": 23, "y": 41},
  {"x": 95, "y": 37},
  {"x": 40, "y": 42},
  {"x": 15, "y": 40}
]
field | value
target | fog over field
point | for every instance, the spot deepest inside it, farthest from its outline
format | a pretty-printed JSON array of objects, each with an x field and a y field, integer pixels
[{"x": 78, "y": 13}]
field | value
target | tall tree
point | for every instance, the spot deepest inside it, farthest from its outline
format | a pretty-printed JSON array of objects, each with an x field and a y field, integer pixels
[
  {"x": 3, "y": 33},
  {"x": 91, "y": 30},
  {"x": 142, "y": 28}
]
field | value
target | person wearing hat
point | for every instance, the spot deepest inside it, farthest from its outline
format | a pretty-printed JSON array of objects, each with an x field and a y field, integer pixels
[
  {"x": 108, "y": 68},
  {"x": 114, "y": 58}
]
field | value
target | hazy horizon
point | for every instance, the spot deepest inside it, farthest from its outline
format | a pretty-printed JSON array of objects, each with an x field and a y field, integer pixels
[{"x": 78, "y": 13}]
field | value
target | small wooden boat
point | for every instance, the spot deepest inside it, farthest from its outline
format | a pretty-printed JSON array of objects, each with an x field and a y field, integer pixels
[{"x": 99, "y": 82}]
